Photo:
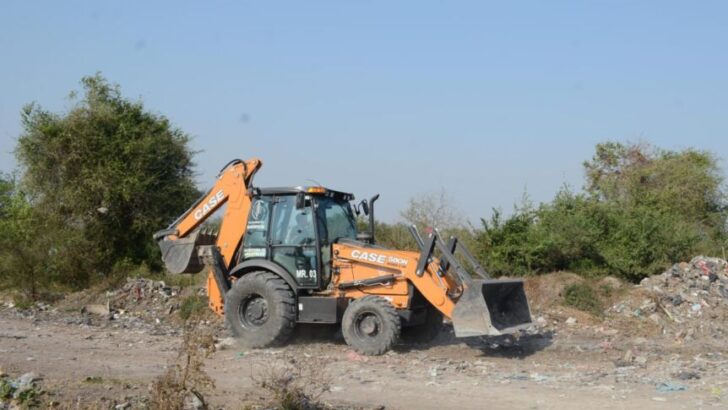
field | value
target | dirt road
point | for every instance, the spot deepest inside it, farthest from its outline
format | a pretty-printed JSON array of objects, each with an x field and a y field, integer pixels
[{"x": 565, "y": 370}]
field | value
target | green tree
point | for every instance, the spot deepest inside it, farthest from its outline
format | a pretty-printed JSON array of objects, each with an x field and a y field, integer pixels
[
  {"x": 685, "y": 183},
  {"x": 34, "y": 249},
  {"x": 107, "y": 172},
  {"x": 6, "y": 191}
]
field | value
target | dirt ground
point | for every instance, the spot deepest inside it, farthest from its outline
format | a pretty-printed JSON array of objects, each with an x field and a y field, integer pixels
[{"x": 569, "y": 360}]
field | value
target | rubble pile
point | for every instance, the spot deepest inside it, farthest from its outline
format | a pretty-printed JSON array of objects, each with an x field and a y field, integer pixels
[
  {"x": 146, "y": 296},
  {"x": 138, "y": 303},
  {"x": 139, "y": 298},
  {"x": 689, "y": 299}
]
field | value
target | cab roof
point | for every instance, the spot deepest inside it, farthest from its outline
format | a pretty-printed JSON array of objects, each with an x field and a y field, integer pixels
[{"x": 310, "y": 190}]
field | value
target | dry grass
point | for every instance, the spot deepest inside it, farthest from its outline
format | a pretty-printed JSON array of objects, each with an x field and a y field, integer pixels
[
  {"x": 293, "y": 385},
  {"x": 546, "y": 291},
  {"x": 582, "y": 296},
  {"x": 186, "y": 380},
  {"x": 191, "y": 306}
]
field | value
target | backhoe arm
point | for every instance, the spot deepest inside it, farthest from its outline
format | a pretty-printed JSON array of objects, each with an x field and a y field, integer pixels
[{"x": 179, "y": 241}]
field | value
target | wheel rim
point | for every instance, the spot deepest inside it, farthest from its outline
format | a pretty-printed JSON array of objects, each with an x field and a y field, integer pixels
[
  {"x": 368, "y": 325},
  {"x": 253, "y": 312}
]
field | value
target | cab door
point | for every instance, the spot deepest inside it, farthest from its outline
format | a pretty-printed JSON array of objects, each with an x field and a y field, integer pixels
[{"x": 294, "y": 241}]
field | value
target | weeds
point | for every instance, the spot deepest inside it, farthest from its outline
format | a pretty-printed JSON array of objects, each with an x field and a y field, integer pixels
[
  {"x": 192, "y": 305},
  {"x": 583, "y": 297},
  {"x": 184, "y": 281},
  {"x": 94, "y": 379},
  {"x": 293, "y": 386},
  {"x": 186, "y": 379},
  {"x": 606, "y": 290},
  {"x": 6, "y": 389},
  {"x": 16, "y": 395},
  {"x": 22, "y": 302}
]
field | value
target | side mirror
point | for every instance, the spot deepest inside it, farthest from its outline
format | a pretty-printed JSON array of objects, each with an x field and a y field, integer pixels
[
  {"x": 364, "y": 205},
  {"x": 300, "y": 200}
]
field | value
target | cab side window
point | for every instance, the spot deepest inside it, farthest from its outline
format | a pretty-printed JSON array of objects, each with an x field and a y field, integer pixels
[{"x": 255, "y": 244}]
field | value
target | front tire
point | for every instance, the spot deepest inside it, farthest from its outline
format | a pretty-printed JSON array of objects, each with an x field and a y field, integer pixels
[
  {"x": 371, "y": 325},
  {"x": 260, "y": 309}
]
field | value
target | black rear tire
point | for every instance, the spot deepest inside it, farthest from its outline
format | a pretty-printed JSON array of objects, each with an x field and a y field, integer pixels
[
  {"x": 371, "y": 325},
  {"x": 260, "y": 309},
  {"x": 427, "y": 331}
]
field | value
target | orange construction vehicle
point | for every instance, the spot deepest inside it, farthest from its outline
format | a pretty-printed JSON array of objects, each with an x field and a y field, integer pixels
[{"x": 293, "y": 255}]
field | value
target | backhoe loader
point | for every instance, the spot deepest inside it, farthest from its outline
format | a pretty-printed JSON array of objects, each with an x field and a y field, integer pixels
[{"x": 292, "y": 255}]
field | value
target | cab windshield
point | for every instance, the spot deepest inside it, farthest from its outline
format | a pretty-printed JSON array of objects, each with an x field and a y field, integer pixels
[{"x": 336, "y": 220}]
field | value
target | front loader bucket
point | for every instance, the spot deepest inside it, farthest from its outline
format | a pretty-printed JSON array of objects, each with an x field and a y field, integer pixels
[
  {"x": 491, "y": 308},
  {"x": 180, "y": 255}
]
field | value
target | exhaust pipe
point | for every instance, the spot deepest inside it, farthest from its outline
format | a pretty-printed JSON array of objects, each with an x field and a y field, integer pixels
[{"x": 371, "y": 216}]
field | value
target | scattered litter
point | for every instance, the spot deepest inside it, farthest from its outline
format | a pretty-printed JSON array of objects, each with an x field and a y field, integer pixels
[
  {"x": 99, "y": 310},
  {"x": 539, "y": 377},
  {"x": 356, "y": 357},
  {"x": 520, "y": 377},
  {"x": 669, "y": 387},
  {"x": 225, "y": 343}
]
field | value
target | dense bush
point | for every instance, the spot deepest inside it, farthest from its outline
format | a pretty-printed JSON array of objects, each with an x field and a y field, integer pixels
[
  {"x": 643, "y": 210},
  {"x": 36, "y": 250}
]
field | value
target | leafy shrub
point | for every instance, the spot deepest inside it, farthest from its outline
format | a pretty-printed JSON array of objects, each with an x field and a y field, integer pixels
[{"x": 583, "y": 297}]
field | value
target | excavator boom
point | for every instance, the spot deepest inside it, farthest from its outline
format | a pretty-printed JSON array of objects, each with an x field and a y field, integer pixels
[{"x": 181, "y": 241}]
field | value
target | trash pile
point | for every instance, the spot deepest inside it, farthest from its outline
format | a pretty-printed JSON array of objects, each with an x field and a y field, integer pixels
[
  {"x": 138, "y": 303},
  {"x": 690, "y": 298},
  {"x": 139, "y": 297},
  {"x": 144, "y": 294}
]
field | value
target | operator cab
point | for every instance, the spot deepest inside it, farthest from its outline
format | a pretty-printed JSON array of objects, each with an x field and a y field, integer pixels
[{"x": 295, "y": 228}]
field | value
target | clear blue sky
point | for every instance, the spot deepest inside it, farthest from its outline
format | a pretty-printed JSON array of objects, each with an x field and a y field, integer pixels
[{"x": 485, "y": 99}]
